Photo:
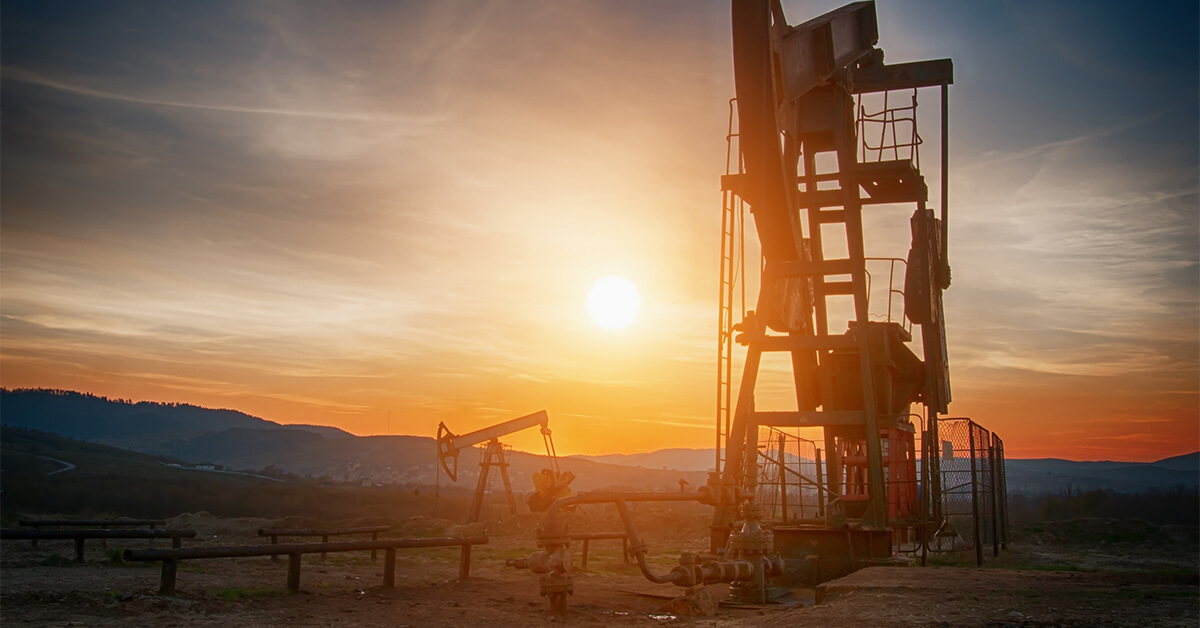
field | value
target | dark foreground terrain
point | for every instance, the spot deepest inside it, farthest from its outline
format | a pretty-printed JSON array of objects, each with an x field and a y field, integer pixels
[{"x": 1073, "y": 573}]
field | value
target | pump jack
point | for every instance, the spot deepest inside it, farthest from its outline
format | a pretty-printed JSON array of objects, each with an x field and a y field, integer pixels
[
  {"x": 796, "y": 90},
  {"x": 549, "y": 484},
  {"x": 797, "y": 115}
]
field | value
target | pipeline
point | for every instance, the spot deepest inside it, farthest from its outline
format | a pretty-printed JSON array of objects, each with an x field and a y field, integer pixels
[{"x": 749, "y": 563}]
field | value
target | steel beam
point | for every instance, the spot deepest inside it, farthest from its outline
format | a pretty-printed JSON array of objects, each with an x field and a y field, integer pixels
[
  {"x": 881, "y": 78},
  {"x": 501, "y": 429},
  {"x": 815, "y": 50}
]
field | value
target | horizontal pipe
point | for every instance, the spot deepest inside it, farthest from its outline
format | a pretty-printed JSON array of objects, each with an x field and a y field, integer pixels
[
  {"x": 603, "y": 497},
  {"x": 598, "y": 536},
  {"x": 236, "y": 551},
  {"x": 319, "y": 532},
  {"x": 99, "y": 523},
  {"x": 96, "y": 534}
]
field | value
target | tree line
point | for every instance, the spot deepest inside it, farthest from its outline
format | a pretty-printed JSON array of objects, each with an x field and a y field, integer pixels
[{"x": 1179, "y": 505}]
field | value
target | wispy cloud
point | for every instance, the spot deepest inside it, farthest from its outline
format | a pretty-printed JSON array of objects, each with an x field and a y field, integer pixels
[
  {"x": 25, "y": 76},
  {"x": 323, "y": 211}
]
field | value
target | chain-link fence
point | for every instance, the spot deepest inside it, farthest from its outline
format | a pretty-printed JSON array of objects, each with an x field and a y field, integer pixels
[
  {"x": 960, "y": 495},
  {"x": 973, "y": 492},
  {"x": 789, "y": 477}
]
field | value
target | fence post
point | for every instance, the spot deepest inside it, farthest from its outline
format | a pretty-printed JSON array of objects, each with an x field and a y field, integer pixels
[
  {"x": 293, "y": 583},
  {"x": 166, "y": 584},
  {"x": 389, "y": 567},
  {"x": 974, "y": 496},
  {"x": 79, "y": 549},
  {"x": 995, "y": 520},
  {"x": 374, "y": 537},
  {"x": 923, "y": 489},
  {"x": 1003, "y": 488},
  {"x": 464, "y": 562},
  {"x": 935, "y": 471},
  {"x": 583, "y": 561}
]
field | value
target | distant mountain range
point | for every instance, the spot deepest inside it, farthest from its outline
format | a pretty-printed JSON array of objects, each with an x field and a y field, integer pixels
[
  {"x": 1051, "y": 475},
  {"x": 1031, "y": 476},
  {"x": 240, "y": 441},
  {"x": 143, "y": 426},
  {"x": 236, "y": 440}
]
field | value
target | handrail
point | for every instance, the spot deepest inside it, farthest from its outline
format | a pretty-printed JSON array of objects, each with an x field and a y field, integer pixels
[{"x": 170, "y": 558}]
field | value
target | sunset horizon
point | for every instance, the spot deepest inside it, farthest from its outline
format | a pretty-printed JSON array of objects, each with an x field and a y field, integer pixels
[{"x": 385, "y": 218}]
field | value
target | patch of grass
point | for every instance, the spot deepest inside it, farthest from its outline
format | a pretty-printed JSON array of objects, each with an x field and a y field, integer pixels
[
  {"x": 55, "y": 560},
  {"x": 1175, "y": 572},
  {"x": 237, "y": 594},
  {"x": 951, "y": 559},
  {"x": 116, "y": 556},
  {"x": 1052, "y": 567}
]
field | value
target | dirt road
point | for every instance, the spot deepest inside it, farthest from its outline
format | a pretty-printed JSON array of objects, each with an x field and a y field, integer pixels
[{"x": 1047, "y": 581}]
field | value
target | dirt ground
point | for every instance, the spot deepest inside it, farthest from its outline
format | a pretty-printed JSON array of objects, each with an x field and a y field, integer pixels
[{"x": 1079, "y": 573}]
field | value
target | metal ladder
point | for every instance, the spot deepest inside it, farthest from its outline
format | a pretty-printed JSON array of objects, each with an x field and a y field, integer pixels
[{"x": 733, "y": 275}]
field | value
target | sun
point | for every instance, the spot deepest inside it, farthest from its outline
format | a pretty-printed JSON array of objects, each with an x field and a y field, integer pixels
[{"x": 613, "y": 302}]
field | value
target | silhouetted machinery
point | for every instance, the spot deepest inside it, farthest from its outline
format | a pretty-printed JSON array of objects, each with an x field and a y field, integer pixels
[
  {"x": 813, "y": 156},
  {"x": 549, "y": 484},
  {"x": 820, "y": 139}
]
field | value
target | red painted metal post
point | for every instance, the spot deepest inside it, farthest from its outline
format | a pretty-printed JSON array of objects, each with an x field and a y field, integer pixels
[{"x": 820, "y": 486}]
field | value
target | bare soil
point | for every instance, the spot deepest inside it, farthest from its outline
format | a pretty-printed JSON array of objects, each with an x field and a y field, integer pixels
[{"x": 1079, "y": 573}]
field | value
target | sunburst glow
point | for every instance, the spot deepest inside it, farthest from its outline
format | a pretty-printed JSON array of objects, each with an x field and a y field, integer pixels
[{"x": 613, "y": 302}]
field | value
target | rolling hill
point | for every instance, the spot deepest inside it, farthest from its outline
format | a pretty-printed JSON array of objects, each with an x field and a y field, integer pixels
[
  {"x": 144, "y": 426},
  {"x": 240, "y": 441}
]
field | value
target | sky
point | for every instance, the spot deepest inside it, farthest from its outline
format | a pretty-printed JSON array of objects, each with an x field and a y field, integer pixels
[{"x": 380, "y": 216}]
